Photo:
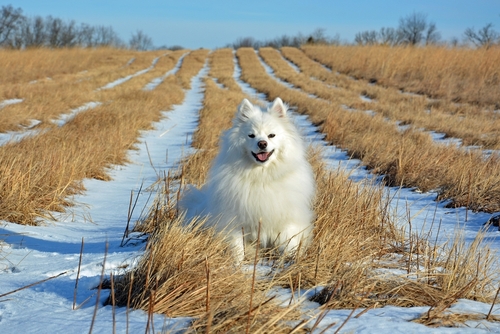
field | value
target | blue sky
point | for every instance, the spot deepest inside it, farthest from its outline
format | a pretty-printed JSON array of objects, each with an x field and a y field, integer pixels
[{"x": 216, "y": 23}]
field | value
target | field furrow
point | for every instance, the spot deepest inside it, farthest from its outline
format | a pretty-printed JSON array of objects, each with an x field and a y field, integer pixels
[
  {"x": 100, "y": 153},
  {"x": 474, "y": 125},
  {"x": 38, "y": 174}
]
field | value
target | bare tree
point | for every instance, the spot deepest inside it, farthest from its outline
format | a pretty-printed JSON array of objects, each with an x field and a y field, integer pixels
[
  {"x": 10, "y": 19},
  {"x": 106, "y": 36},
  {"x": 369, "y": 37},
  {"x": 412, "y": 28},
  {"x": 31, "y": 33},
  {"x": 485, "y": 37},
  {"x": 85, "y": 36},
  {"x": 390, "y": 36},
  {"x": 386, "y": 36},
  {"x": 432, "y": 36},
  {"x": 140, "y": 41},
  {"x": 248, "y": 42}
]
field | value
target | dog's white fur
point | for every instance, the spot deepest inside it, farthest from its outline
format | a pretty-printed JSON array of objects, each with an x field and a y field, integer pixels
[{"x": 248, "y": 184}]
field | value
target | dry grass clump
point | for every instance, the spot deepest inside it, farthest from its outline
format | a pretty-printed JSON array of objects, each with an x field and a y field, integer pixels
[
  {"x": 461, "y": 75},
  {"x": 39, "y": 173},
  {"x": 199, "y": 280}
]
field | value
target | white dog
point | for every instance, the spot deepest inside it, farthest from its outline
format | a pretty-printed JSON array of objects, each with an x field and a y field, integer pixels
[{"x": 261, "y": 176}]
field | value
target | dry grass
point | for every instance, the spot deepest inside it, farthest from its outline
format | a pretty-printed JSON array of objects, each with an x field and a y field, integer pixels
[
  {"x": 408, "y": 158},
  {"x": 39, "y": 173},
  {"x": 45, "y": 100},
  {"x": 187, "y": 271},
  {"x": 474, "y": 124},
  {"x": 40, "y": 64},
  {"x": 460, "y": 75}
]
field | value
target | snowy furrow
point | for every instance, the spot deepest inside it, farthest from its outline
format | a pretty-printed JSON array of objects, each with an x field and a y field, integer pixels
[
  {"x": 30, "y": 254},
  {"x": 120, "y": 81},
  {"x": 5, "y": 103},
  {"x": 270, "y": 71},
  {"x": 65, "y": 118},
  {"x": 156, "y": 81}
]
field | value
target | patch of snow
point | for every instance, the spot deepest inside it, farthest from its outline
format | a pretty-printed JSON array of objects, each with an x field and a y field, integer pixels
[
  {"x": 5, "y": 103},
  {"x": 365, "y": 98},
  {"x": 221, "y": 86},
  {"x": 65, "y": 118},
  {"x": 271, "y": 73},
  {"x": 128, "y": 77},
  {"x": 156, "y": 81},
  {"x": 441, "y": 138}
]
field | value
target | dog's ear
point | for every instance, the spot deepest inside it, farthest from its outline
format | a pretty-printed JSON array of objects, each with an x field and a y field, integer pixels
[
  {"x": 278, "y": 108},
  {"x": 245, "y": 110}
]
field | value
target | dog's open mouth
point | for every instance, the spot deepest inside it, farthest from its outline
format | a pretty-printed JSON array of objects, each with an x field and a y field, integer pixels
[{"x": 262, "y": 156}]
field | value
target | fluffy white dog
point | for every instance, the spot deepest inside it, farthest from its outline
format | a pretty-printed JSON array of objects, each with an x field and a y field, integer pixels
[{"x": 260, "y": 176}]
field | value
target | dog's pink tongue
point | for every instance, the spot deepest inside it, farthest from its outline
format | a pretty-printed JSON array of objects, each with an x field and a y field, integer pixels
[{"x": 262, "y": 156}]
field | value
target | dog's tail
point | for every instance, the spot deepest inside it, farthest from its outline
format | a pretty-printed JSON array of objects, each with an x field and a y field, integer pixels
[{"x": 192, "y": 203}]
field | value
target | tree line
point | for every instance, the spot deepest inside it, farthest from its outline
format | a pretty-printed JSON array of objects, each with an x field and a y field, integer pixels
[
  {"x": 19, "y": 31},
  {"x": 414, "y": 29}
]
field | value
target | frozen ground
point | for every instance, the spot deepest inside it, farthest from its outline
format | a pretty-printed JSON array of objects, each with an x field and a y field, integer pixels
[{"x": 32, "y": 254}]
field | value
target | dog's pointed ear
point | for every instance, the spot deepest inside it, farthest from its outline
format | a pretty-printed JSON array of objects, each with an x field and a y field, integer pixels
[
  {"x": 278, "y": 108},
  {"x": 245, "y": 110}
]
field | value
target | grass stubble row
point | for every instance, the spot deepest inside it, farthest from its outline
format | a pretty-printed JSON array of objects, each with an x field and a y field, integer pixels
[
  {"x": 407, "y": 158},
  {"x": 474, "y": 124},
  {"x": 187, "y": 271},
  {"x": 40, "y": 173},
  {"x": 454, "y": 74},
  {"x": 44, "y": 98}
]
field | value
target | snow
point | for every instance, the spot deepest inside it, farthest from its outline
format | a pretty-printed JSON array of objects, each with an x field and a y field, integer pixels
[
  {"x": 5, "y": 103},
  {"x": 128, "y": 77},
  {"x": 31, "y": 254},
  {"x": 156, "y": 81},
  {"x": 65, "y": 118}
]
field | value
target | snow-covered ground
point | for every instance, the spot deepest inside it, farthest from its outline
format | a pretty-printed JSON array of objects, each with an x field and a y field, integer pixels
[{"x": 32, "y": 254}]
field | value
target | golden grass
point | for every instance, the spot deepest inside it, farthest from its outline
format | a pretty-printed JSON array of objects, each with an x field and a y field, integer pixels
[
  {"x": 23, "y": 66},
  {"x": 474, "y": 124},
  {"x": 44, "y": 101},
  {"x": 39, "y": 173},
  {"x": 408, "y": 158},
  {"x": 460, "y": 75},
  {"x": 189, "y": 271}
]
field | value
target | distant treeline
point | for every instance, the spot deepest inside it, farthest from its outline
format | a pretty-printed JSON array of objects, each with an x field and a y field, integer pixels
[
  {"x": 19, "y": 31},
  {"x": 413, "y": 29}
]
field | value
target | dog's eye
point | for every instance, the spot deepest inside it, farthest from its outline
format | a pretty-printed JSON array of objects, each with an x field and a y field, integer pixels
[
  {"x": 251, "y": 135},
  {"x": 272, "y": 135}
]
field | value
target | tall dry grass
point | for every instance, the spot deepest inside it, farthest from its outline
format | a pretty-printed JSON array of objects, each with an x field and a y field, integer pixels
[
  {"x": 45, "y": 100},
  {"x": 455, "y": 74},
  {"x": 471, "y": 123},
  {"x": 189, "y": 271},
  {"x": 406, "y": 158},
  {"x": 39, "y": 174},
  {"x": 23, "y": 66}
]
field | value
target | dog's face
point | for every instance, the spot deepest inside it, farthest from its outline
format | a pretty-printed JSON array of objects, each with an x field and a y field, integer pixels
[{"x": 262, "y": 131}]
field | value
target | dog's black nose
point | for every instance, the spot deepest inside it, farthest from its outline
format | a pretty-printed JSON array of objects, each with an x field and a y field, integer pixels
[{"x": 262, "y": 144}]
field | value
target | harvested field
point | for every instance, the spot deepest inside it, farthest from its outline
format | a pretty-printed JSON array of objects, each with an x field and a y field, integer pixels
[{"x": 140, "y": 144}]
